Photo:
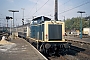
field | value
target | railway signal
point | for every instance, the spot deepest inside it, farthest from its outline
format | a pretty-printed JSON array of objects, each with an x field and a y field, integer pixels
[{"x": 7, "y": 17}]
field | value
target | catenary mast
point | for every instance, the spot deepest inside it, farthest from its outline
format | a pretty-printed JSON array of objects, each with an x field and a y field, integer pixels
[{"x": 56, "y": 10}]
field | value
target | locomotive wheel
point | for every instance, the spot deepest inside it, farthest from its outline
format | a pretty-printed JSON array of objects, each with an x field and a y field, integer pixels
[{"x": 42, "y": 48}]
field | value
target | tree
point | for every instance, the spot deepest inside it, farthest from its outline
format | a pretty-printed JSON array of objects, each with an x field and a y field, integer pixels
[{"x": 74, "y": 23}]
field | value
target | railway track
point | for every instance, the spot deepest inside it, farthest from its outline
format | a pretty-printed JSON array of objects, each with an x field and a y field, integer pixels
[
  {"x": 74, "y": 53},
  {"x": 80, "y": 53}
]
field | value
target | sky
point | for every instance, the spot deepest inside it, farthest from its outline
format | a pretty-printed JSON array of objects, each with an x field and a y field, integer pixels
[{"x": 35, "y": 8}]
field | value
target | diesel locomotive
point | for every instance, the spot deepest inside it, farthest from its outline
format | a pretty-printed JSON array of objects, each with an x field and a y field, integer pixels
[{"x": 48, "y": 35}]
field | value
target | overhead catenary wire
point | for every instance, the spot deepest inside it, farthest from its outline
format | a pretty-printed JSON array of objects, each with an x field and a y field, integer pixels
[
  {"x": 75, "y": 7},
  {"x": 60, "y": 5},
  {"x": 33, "y": 7},
  {"x": 41, "y": 6},
  {"x": 63, "y": 4}
]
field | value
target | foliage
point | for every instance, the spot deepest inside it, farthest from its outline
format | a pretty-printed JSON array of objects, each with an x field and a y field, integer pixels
[{"x": 74, "y": 23}]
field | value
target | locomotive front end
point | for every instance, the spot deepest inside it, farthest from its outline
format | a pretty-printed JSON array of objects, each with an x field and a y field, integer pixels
[
  {"x": 54, "y": 31},
  {"x": 54, "y": 41}
]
